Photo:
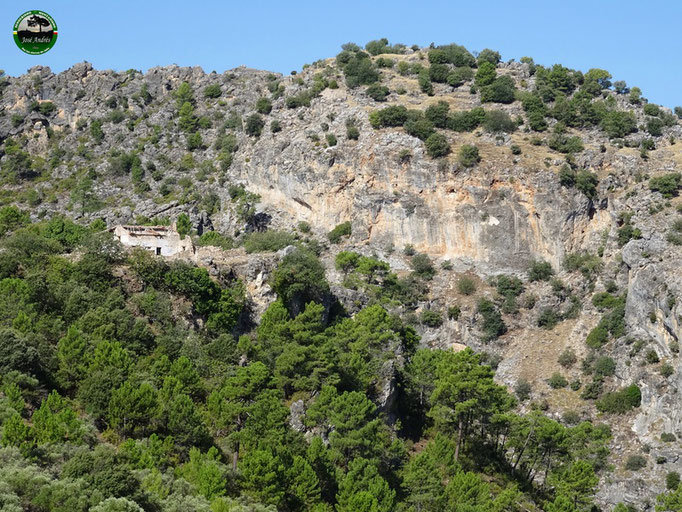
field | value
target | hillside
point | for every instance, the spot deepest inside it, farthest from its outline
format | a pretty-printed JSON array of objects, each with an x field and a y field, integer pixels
[{"x": 359, "y": 222}]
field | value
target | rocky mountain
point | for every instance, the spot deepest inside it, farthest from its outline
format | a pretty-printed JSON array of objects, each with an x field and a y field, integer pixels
[{"x": 491, "y": 169}]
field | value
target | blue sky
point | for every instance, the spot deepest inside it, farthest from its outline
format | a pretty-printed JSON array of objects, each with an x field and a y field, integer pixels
[{"x": 637, "y": 42}]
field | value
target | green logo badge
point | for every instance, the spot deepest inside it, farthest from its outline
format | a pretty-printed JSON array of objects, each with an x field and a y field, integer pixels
[{"x": 35, "y": 32}]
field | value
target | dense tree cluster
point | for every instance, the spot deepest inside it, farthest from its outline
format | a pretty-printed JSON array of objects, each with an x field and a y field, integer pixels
[{"x": 148, "y": 382}]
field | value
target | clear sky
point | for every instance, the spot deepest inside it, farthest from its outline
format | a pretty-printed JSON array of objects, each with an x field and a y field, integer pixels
[{"x": 638, "y": 42}]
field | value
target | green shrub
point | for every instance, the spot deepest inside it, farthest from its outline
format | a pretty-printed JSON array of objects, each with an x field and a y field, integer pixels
[
  {"x": 466, "y": 285},
  {"x": 672, "y": 479},
  {"x": 587, "y": 183},
  {"x": 341, "y": 230},
  {"x": 275, "y": 126},
  {"x": 540, "y": 271},
  {"x": 668, "y": 437},
  {"x": 422, "y": 266},
  {"x": 216, "y": 239},
  {"x": 263, "y": 105},
  {"x": 439, "y": 73},
  {"x": 499, "y": 121},
  {"x": 516, "y": 150},
  {"x": 486, "y": 74},
  {"x": 454, "y": 312},
  {"x": 668, "y": 184},
  {"x": 468, "y": 155},
  {"x": 635, "y": 462},
  {"x": 652, "y": 357},
  {"x": 620, "y": 402},
  {"x": 654, "y": 127},
  {"x": 493, "y": 325},
  {"x": 268, "y": 241},
  {"x": 431, "y": 318},
  {"x": 501, "y": 90},
  {"x": 604, "y": 366},
  {"x": 567, "y": 358},
  {"x": 617, "y": 124},
  {"x": 420, "y": 127},
  {"x": 377, "y": 92},
  {"x": 424, "y": 80},
  {"x": 548, "y": 319},
  {"x": 565, "y": 144},
  {"x": 605, "y": 300},
  {"x": 586, "y": 263},
  {"x": 557, "y": 381},
  {"x": 212, "y": 91},
  {"x": 254, "y": 125},
  {"x": 395, "y": 115},
  {"x": 597, "y": 337},
  {"x": 522, "y": 389},
  {"x": 459, "y": 76},
  {"x": 509, "y": 286},
  {"x": 331, "y": 139},
  {"x": 666, "y": 370},
  {"x": 437, "y": 145}
]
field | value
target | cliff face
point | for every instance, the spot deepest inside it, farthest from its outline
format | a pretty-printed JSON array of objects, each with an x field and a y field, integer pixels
[{"x": 493, "y": 218}]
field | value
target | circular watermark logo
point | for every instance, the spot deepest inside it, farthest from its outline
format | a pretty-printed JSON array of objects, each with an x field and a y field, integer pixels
[{"x": 35, "y": 32}]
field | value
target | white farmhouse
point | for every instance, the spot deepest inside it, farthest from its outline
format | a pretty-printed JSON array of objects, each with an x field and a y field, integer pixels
[{"x": 160, "y": 240}]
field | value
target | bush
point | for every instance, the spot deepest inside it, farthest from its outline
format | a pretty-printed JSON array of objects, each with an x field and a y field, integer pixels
[
  {"x": 212, "y": 91},
  {"x": 420, "y": 127},
  {"x": 565, "y": 144},
  {"x": 454, "y": 312},
  {"x": 460, "y": 75},
  {"x": 597, "y": 337},
  {"x": 439, "y": 73},
  {"x": 567, "y": 176},
  {"x": 468, "y": 155},
  {"x": 499, "y": 121},
  {"x": 635, "y": 462},
  {"x": 667, "y": 185},
  {"x": 587, "y": 183},
  {"x": 275, "y": 126},
  {"x": 604, "y": 366},
  {"x": 509, "y": 286},
  {"x": 617, "y": 124},
  {"x": 522, "y": 389},
  {"x": 668, "y": 437},
  {"x": 264, "y": 105},
  {"x": 466, "y": 285},
  {"x": 666, "y": 370},
  {"x": 268, "y": 241},
  {"x": 493, "y": 325},
  {"x": 557, "y": 381},
  {"x": 516, "y": 150},
  {"x": 395, "y": 115},
  {"x": 585, "y": 262},
  {"x": 254, "y": 125},
  {"x": 341, "y": 230},
  {"x": 501, "y": 90},
  {"x": 672, "y": 479},
  {"x": 422, "y": 266},
  {"x": 300, "y": 279},
  {"x": 548, "y": 319},
  {"x": 652, "y": 357},
  {"x": 620, "y": 402},
  {"x": 567, "y": 358},
  {"x": 437, "y": 145},
  {"x": 431, "y": 318},
  {"x": 377, "y": 92},
  {"x": 331, "y": 139},
  {"x": 424, "y": 80},
  {"x": 216, "y": 239},
  {"x": 486, "y": 74},
  {"x": 540, "y": 271}
]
